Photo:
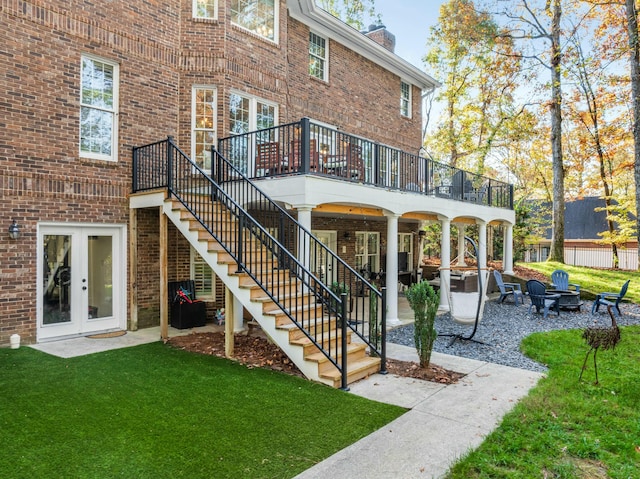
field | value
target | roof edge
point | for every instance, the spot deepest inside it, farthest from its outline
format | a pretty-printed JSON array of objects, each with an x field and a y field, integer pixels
[{"x": 307, "y": 12}]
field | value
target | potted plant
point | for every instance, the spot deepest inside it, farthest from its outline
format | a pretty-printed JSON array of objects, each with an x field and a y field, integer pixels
[
  {"x": 337, "y": 289},
  {"x": 424, "y": 302}
]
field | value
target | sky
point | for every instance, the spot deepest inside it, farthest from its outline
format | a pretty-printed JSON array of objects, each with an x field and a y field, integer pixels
[{"x": 409, "y": 21}]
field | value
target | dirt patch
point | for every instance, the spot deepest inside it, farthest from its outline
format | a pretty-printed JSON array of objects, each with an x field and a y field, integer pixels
[{"x": 259, "y": 352}]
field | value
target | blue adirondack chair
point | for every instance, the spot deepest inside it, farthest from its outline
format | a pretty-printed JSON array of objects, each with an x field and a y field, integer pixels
[
  {"x": 610, "y": 299},
  {"x": 540, "y": 299},
  {"x": 560, "y": 281},
  {"x": 508, "y": 289}
]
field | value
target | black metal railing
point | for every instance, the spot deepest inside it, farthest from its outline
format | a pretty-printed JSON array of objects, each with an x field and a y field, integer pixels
[
  {"x": 320, "y": 292},
  {"x": 304, "y": 147}
]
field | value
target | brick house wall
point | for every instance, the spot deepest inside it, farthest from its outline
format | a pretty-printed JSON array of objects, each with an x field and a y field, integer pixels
[{"x": 161, "y": 52}]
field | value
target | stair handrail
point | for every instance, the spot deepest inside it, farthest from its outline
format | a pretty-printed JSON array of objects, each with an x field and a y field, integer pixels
[
  {"x": 172, "y": 169},
  {"x": 225, "y": 172}
]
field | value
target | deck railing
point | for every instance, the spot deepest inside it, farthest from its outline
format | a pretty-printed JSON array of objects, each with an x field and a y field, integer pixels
[
  {"x": 246, "y": 223},
  {"x": 305, "y": 147}
]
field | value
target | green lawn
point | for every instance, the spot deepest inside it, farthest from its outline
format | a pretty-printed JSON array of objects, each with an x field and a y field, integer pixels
[
  {"x": 154, "y": 412},
  {"x": 566, "y": 428},
  {"x": 594, "y": 280}
]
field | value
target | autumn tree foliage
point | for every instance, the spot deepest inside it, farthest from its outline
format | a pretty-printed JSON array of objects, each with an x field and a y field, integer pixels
[
  {"x": 352, "y": 12},
  {"x": 480, "y": 74}
]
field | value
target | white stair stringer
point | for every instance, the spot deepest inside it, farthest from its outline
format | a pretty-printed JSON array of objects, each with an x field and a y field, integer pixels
[{"x": 314, "y": 369}]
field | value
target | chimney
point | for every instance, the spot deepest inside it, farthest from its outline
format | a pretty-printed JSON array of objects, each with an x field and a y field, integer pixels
[{"x": 379, "y": 34}]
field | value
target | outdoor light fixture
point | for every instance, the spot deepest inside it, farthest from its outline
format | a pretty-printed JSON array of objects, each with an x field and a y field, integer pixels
[
  {"x": 422, "y": 234},
  {"x": 14, "y": 230}
]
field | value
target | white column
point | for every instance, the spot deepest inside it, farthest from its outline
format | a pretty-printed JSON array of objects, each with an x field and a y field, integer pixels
[
  {"x": 304, "y": 218},
  {"x": 445, "y": 262},
  {"x": 461, "y": 245},
  {"x": 391, "y": 269},
  {"x": 507, "y": 249},
  {"x": 482, "y": 244}
]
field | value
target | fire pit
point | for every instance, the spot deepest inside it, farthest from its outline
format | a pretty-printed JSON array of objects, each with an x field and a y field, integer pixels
[{"x": 569, "y": 300}]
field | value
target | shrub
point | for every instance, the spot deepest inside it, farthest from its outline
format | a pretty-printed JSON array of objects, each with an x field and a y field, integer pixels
[{"x": 424, "y": 302}]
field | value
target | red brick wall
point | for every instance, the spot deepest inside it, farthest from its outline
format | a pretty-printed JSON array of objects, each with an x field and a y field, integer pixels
[
  {"x": 162, "y": 53},
  {"x": 42, "y": 177}
]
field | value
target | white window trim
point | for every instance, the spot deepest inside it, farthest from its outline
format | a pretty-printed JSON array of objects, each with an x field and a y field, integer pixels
[
  {"x": 195, "y": 11},
  {"x": 326, "y": 56},
  {"x": 253, "y": 108},
  {"x": 115, "y": 111},
  {"x": 194, "y": 127},
  {"x": 199, "y": 295},
  {"x": 409, "y": 113},
  {"x": 276, "y": 24},
  {"x": 376, "y": 254}
]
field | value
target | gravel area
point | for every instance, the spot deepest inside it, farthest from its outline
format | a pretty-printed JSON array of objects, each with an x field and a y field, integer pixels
[{"x": 503, "y": 327}]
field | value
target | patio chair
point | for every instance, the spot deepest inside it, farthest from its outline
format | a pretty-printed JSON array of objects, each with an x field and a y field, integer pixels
[
  {"x": 560, "y": 281},
  {"x": 295, "y": 156},
  {"x": 268, "y": 158},
  {"x": 610, "y": 299},
  {"x": 508, "y": 289},
  {"x": 537, "y": 292}
]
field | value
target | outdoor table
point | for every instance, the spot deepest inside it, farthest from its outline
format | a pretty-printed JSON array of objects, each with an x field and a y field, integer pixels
[{"x": 568, "y": 300}]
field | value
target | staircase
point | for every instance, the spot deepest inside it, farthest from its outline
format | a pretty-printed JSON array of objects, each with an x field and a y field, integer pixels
[{"x": 327, "y": 341}]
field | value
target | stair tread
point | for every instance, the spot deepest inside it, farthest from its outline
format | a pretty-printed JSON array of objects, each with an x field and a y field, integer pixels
[
  {"x": 285, "y": 289},
  {"x": 320, "y": 357},
  {"x": 299, "y": 309},
  {"x": 354, "y": 368}
]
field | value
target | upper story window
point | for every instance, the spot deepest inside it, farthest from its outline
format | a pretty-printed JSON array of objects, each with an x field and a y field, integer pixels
[
  {"x": 246, "y": 114},
  {"x": 318, "y": 56},
  {"x": 205, "y": 9},
  {"x": 257, "y": 16},
  {"x": 98, "y": 109},
  {"x": 405, "y": 99},
  {"x": 203, "y": 134}
]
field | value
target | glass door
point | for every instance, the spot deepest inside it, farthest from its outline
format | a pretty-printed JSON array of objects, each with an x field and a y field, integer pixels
[
  {"x": 82, "y": 289},
  {"x": 320, "y": 265}
]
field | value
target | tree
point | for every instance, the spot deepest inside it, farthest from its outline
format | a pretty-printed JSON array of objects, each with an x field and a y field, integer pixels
[
  {"x": 528, "y": 24},
  {"x": 634, "y": 67},
  {"x": 352, "y": 12},
  {"x": 481, "y": 74}
]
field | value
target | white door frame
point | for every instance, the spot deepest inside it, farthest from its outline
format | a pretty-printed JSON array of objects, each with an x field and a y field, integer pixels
[
  {"x": 81, "y": 322},
  {"x": 332, "y": 244}
]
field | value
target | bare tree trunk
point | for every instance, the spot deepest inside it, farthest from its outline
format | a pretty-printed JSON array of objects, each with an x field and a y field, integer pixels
[
  {"x": 634, "y": 48},
  {"x": 557, "y": 232}
]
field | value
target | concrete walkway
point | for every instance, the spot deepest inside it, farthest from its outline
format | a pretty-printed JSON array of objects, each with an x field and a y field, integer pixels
[{"x": 443, "y": 421}]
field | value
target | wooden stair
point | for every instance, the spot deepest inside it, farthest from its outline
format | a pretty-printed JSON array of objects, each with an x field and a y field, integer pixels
[{"x": 263, "y": 306}]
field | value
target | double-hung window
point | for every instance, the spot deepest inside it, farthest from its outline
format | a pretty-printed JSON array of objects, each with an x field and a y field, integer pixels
[
  {"x": 205, "y": 9},
  {"x": 203, "y": 135},
  {"x": 257, "y": 16},
  {"x": 405, "y": 99},
  {"x": 318, "y": 55},
  {"x": 98, "y": 108}
]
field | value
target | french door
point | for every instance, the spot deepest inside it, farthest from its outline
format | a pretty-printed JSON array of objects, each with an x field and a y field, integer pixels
[
  {"x": 81, "y": 280},
  {"x": 319, "y": 262}
]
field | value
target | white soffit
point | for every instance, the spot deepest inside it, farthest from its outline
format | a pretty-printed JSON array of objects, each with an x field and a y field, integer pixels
[{"x": 307, "y": 12}]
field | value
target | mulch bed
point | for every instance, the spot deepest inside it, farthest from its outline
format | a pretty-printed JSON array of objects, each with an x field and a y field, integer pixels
[{"x": 259, "y": 352}]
